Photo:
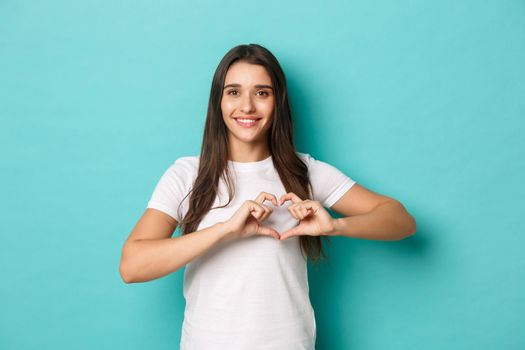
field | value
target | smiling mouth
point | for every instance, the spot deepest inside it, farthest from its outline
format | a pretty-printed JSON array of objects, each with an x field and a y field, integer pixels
[{"x": 246, "y": 122}]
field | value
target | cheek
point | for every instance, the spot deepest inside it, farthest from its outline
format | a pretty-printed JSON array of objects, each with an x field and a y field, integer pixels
[
  {"x": 227, "y": 108},
  {"x": 266, "y": 106},
  {"x": 224, "y": 103},
  {"x": 270, "y": 109}
]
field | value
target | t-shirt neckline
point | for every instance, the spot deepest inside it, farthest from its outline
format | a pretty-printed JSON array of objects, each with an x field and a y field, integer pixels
[{"x": 251, "y": 166}]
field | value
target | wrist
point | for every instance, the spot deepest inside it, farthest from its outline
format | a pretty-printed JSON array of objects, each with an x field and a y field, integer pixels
[
  {"x": 337, "y": 227},
  {"x": 223, "y": 231}
]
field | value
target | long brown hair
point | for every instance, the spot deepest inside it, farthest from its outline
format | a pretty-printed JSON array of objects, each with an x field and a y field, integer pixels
[{"x": 213, "y": 163}]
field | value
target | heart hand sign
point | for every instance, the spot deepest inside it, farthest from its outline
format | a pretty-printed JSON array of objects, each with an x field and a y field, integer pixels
[{"x": 247, "y": 220}]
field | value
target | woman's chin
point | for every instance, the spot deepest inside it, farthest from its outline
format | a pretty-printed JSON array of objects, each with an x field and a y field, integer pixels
[{"x": 253, "y": 138}]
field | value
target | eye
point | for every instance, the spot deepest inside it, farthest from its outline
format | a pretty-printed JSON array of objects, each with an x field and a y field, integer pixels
[
  {"x": 264, "y": 93},
  {"x": 233, "y": 92}
]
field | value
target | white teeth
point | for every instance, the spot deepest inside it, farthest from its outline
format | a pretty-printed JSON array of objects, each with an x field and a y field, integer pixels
[{"x": 246, "y": 120}]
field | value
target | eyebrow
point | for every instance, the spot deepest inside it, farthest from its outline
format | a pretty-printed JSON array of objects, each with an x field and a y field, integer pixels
[{"x": 259, "y": 86}]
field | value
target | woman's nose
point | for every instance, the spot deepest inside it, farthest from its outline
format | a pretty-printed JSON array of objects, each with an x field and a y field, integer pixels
[{"x": 247, "y": 104}]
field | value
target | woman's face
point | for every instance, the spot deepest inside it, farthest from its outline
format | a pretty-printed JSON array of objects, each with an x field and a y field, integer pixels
[{"x": 247, "y": 102}]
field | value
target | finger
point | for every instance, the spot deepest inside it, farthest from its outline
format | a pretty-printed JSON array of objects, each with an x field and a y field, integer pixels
[
  {"x": 306, "y": 211},
  {"x": 290, "y": 196},
  {"x": 256, "y": 211},
  {"x": 266, "y": 196},
  {"x": 300, "y": 210},
  {"x": 293, "y": 232},
  {"x": 307, "y": 207},
  {"x": 291, "y": 210},
  {"x": 267, "y": 212},
  {"x": 303, "y": 211},
  {"x": 264, "y": 230},
  {"x": 298, "y": 213},
  {"x": 310, "y": 205},
  {"x": 297, "y": 210}
]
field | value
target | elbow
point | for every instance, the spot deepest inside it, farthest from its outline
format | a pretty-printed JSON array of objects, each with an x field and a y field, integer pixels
[
  {"x": 125, "y": 272},
  {"x": 404, "y": 223},
  {"x": 405, "y": 228},
  {"x": 411, "y": 227},
  {"x": 408, "y": 223},
  {"x": 127, "y": 268}
]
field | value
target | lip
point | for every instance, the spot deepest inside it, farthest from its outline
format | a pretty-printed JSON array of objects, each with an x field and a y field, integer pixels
[
  {"x": 247, "y": 117},
  {"x": 247, "y": 125}
]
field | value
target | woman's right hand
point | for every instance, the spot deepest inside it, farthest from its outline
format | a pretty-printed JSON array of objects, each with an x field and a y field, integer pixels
[{"x": 246, "y": 221}]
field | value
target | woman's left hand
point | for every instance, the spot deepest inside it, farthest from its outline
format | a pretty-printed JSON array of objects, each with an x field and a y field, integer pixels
[{"x": 314, "y": 219}]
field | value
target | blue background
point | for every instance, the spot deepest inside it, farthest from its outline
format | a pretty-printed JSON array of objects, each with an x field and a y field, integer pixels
[{"x": 422, "y": 101}]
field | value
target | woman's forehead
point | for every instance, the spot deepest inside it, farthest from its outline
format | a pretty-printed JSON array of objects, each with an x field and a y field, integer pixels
[{"x": 248, "y": 74}]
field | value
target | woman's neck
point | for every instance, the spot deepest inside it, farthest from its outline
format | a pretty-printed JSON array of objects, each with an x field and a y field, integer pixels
[{"x": 242, "y": 152}]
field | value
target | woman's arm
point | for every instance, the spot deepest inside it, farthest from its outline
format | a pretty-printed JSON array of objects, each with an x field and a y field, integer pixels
[
  {"x": 150, "y": 252},
  {"x": 388, "y": 221},
  {"x": 369, "y": 215}
]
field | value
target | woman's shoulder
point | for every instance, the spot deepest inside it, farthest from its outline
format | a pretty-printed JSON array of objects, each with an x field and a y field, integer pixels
[
  {"x": 311, "y": 162},
  {"x": 187, "y": 160},
  {"x": 305, "y": 157},
  {"x": 186, "y": 164},
  {"x": 316, "y": 165}
]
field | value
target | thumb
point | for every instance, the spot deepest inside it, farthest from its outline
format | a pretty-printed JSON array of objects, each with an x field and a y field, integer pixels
[
  {"x": 268, "y": 232},
  {"x": 296, "y": 231}
]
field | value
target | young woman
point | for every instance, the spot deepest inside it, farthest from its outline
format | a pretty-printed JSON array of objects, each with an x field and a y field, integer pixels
[{"x": 251, "y": 211}]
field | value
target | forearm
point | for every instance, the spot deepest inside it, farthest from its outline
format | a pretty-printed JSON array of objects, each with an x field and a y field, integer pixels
[
  {"x": 148, "y": 259},
  {"x": 387, "y": 222}
]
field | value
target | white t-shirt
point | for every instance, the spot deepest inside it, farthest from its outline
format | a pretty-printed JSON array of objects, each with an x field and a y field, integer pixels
[{"x": 249, "y": 293}]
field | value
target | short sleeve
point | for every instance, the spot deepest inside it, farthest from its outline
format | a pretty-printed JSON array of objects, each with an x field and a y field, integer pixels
[
  {"x": 173, "y": 186},
  {"x": 329, "y": 184}
]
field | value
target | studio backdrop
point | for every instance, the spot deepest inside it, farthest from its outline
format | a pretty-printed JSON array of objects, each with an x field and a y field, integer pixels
[{"x": 422, "y": 101}]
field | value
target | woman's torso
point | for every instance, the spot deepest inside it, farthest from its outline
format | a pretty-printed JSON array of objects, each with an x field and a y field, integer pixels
[{"x": 249, "y": 293}]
